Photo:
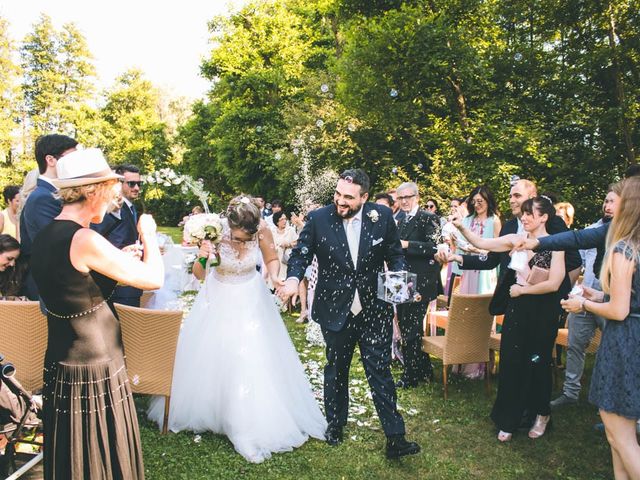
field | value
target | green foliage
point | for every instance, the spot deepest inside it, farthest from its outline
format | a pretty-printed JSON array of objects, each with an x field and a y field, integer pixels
[
  {"x": 449, "y": 93},
  {"x": 9, "y": 98},
  {"x": 57, "y": 76}
]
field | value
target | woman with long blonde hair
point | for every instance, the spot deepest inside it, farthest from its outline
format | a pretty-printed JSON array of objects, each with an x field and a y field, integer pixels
[{"x": 615, "y": 383}]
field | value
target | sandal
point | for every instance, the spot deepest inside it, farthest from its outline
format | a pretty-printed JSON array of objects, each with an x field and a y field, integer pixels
[{"x": 539, "y": 426}]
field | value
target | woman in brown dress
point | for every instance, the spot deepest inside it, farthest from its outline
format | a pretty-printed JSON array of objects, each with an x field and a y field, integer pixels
[{"x": 90, "y": 424}]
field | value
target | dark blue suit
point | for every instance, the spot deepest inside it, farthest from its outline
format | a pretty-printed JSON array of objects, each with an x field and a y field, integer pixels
[
  {"x": 121, "y": 232},
  {"x": 38, "y": 212},
  {"x": 421, "y": 232},
  {"x": 324, "y": 236}
]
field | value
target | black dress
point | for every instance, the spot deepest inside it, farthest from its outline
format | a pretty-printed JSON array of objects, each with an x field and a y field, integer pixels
[
  {"x": 529, "y": 331},
  {"x": 90, "y": 424}
]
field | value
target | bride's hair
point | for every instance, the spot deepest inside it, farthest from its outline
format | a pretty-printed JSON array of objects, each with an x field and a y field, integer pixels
[{"x": 244, "y": 213}]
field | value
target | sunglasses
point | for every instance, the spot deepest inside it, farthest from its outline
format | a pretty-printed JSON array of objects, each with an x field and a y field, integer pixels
[
  {"x": 406, "y": 197},
  {"x": 430, "y": 206},
  {"x": 133, "y": 183}
]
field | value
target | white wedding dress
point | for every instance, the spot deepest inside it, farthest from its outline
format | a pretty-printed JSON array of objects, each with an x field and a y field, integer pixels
[{"x": 236, "y": 371}]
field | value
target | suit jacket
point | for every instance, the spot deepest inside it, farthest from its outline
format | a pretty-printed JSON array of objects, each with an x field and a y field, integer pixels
[
  {"x": 582, "y": 239},
  {"x": 421, "y": 232},
  {"x": 399, "y": 216},
  {"x": 120, "y": 232},
  {"x": 324, "y": 236},
  {"x": 38, "y": 212}
]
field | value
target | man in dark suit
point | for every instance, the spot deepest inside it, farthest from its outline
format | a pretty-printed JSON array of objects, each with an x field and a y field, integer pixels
[
  {"x": 120, "y": 227},
  {"x": 351, "y": 240},
  {"x": 419, "y": 232},
  {"x": 42, "y": 207},
  {"x": 398, "y": 213},
  {"x": 521, "y": 191}
]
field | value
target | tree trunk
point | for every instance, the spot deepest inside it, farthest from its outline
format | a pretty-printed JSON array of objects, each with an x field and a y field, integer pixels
[
  {"x": 336, "y": 34},
  {"x": 623, "y": 119}
]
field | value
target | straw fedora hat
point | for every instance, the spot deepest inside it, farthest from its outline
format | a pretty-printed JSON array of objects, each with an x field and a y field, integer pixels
[{"x": 83, "y": 167}]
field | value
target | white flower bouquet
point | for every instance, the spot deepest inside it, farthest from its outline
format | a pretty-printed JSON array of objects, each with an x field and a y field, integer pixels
[{"x": 204, "y": 226}]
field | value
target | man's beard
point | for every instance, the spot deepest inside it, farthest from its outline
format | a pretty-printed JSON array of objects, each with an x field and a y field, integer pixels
[{"x": 350, "y": 212}]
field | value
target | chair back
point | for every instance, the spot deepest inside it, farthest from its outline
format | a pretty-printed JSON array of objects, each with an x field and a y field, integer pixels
[
  {"x": 150, "y": 340},
  {"x": 146, "y": 297},
  {"x": 23, "y": 340},
  {"x": 595, "y": 342},
  {"x": 468, "y": 329}
]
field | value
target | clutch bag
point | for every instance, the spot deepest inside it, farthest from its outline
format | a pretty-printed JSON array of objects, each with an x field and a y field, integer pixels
[{"x": 537, "y": 275}]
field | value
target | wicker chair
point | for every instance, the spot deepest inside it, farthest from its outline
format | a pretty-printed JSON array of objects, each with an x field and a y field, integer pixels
[
  {"x": 467, "y": 336},
  {"x": 495, "y": 338},
  {"x": 150, "y": 340},
  {"x": 24, "y": 340},
  {"x": 146, "y": 296},
  {"x": 563, "y": 339}
]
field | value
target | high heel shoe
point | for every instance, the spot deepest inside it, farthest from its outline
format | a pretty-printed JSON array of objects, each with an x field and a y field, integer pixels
[
  {"x": 539, "y": 426},
  {"x": 504, "y": 436}
]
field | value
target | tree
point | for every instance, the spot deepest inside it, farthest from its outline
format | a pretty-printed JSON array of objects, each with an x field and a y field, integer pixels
[
  {"x": 133, "y": 131},
  {"x": 9, "y": 95},
  {"x": 57, "y": 77}
]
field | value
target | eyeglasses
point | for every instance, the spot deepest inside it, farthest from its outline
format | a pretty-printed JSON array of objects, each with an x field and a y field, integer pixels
[
  {"x": 134, "y": 183},
  {"x": 406, "y": 197},
  {"x": 430, "y": 206}
]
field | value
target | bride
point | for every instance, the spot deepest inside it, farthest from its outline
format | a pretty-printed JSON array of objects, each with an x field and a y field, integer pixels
[{"x": 236, "y": 371}]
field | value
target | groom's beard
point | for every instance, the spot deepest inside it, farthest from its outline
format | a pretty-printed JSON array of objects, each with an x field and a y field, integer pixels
[{"x": 350, "y": 213}]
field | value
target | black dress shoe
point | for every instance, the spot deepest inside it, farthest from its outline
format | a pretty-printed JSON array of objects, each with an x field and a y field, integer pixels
[
  {"x": 397, "y": 446},
  {"x": 333, "y": 436}
]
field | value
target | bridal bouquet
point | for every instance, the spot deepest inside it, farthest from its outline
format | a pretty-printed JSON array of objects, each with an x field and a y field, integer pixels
[{"x": 204, "y": 226}]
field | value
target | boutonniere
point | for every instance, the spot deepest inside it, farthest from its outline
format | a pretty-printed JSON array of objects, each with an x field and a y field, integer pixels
[{"x": 373, "y": 215}]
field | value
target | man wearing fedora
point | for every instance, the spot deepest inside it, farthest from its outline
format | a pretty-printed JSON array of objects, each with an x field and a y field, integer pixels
[
  {"x": 42, "y": 207},
  {"x": 120, "y": 227}
]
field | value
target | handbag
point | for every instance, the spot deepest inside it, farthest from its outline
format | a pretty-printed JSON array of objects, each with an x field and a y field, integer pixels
[{"x": 537, "y": 275}]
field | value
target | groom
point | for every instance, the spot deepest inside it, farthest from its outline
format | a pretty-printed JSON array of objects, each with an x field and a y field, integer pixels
[{"x": 351, "y": 240}]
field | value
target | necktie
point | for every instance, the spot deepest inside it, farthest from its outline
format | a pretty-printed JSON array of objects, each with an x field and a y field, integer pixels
[
  {"x": 134, "y": 214},
  {"x": 354, "y": 241}
]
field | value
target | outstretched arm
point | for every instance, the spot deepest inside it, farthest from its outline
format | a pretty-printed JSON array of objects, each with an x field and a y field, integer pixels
[
  {"x": 91, "y": 251},
  {"x": 499, "y": 244},
  {"x": 569, "y": 240}
]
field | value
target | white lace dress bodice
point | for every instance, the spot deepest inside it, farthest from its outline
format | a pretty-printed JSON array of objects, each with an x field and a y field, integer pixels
[{"x": 238, "y": 260}]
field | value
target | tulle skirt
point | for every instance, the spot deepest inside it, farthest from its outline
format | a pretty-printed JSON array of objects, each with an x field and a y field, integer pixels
[{"x": 237, "y": 373}]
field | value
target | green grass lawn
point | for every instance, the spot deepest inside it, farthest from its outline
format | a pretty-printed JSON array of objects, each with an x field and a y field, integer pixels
[
  {"x": 174, "y": 232},
  {"x": 457, "y": 438}
]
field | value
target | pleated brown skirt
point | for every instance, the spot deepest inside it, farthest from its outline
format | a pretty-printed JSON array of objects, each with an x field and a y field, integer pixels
[{"x": 90, "y": 423}]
